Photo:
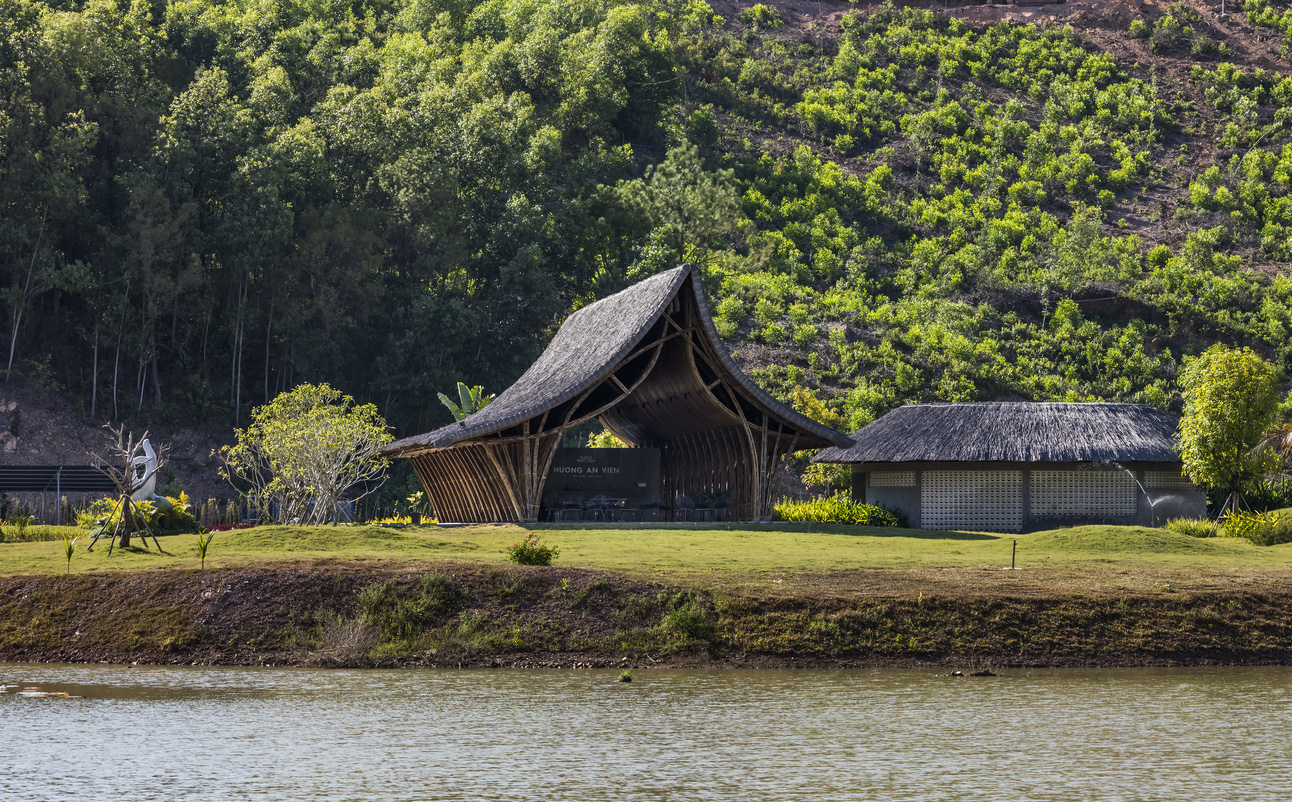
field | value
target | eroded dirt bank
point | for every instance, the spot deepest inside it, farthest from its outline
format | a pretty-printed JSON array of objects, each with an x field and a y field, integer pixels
[{"x": 357, "y": 615}]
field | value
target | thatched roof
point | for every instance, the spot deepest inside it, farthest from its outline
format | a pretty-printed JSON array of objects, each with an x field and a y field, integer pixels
[
  {"x": 1014, "y": 432},
  {"x": 588, "y": 347}
]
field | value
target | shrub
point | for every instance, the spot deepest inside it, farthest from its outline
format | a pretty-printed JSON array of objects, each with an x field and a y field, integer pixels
[
  {"x": 348, "y": 638},
  {"x": 88, "y": 518},
  {"x": 440, "y": 590},
  {"x": 805, "y": 336},
  {"x": 175, "y": 517},
  {"x": 1193, "y": 527},
  {"x": 761, "y": 16},
  {"x": 19, "y": 524},
  {"x": 401, "y": 615},
  {"x": 1269, "y": 495},
  {"x": 702, "y": 126},
  {"x": 37, "y": 533},
  {"x": 686, "y": 615},
  {"x": 529, "y": 551},
  {"x": 382, "y": 606},
  {"x": 690, "y": 622},
  {"x": 837, "y": 509},
  {"x": 375, "y": 600},
  {"x": 472, "y": 622},
  {"x": 108, "y": 509},
  {"x": 1263, "y": 529}
]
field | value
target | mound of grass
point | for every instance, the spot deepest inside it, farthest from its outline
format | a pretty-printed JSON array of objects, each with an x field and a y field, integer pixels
[
  {"x": 326, "y": 538},
  {"x": 1116, "y": 539}
]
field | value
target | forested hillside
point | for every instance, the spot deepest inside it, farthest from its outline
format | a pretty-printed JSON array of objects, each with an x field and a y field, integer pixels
[{"x": 204, "y": 202}]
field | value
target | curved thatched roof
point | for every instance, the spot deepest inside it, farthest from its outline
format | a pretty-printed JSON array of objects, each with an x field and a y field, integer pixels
[
  {"x": 589, "y": 346},
  {"x": 1014, "y": 432}
]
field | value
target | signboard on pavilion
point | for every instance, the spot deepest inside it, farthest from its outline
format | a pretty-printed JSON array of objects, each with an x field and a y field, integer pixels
[{"x": 631, "y": 474}]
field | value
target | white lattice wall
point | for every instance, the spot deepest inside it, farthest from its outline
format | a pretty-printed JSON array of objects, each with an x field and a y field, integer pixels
[
  {"x": 989, "y": 500},
  {"x": 892, "y": 479},
  {"x": 1166, "y": 480},
  {"x": 1083, "y": 493}
]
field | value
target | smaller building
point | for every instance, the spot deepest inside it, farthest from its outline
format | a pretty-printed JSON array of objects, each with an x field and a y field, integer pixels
[{"x": 1022, "y": 466}]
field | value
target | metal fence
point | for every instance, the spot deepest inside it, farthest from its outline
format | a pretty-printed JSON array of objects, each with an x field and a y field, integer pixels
[{"x": 64, "y": 509}]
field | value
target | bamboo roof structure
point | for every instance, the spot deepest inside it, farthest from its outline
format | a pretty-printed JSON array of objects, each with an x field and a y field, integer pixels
[
  {"x": 648, "y": 363},
  {"x": 1013, "y": 432}
]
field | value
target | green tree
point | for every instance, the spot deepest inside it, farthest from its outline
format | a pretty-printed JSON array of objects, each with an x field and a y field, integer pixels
[
  {"x": 827, "y": 476},
  {"x": 691, "y": 209},
  {"x": 304, "y": 451},
  {"x": 605, "y": 439},
  {"x": 1230, "y": 396}
]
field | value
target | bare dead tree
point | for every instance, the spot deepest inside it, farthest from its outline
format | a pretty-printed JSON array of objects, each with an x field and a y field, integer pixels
[{"x": 132, "y": 465}]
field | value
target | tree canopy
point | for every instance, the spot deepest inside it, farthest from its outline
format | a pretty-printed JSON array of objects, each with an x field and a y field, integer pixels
[
  {"x": 1230, "y": 397},
  {"x": 204, "y": 203},
  {"x": 304, "y": 451}
]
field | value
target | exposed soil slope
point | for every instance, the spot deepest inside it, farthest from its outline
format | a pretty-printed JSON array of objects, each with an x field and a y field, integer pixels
[
  {"x": 451, "y": 615},
  {"x": 40, "y": 426}
]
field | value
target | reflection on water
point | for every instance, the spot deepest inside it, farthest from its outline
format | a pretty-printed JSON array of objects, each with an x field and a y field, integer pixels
[{"x": 295, "y": 734}]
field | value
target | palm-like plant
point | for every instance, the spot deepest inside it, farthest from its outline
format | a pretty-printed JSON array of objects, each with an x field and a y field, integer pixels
[
  {"x": 470, "y": 400},
  {"x": 22, "y": 522},
  {"x": 1278, "y": 440},
  {"x": 69, "y": 547},
  {"x": 203, "y": 543}
]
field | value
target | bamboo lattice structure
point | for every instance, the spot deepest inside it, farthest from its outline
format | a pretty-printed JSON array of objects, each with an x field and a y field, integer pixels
[{"x": 647, "y": 363}]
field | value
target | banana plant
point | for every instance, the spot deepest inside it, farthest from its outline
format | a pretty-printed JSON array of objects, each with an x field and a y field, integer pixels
[{"x": 470, "y": 400}]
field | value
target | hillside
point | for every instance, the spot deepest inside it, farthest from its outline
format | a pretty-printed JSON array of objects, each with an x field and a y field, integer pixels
[{"x": 203, "y": 202}]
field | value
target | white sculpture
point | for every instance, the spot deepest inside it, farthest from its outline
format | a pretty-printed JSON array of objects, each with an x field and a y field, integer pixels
[{"x": 143, "y": 480}]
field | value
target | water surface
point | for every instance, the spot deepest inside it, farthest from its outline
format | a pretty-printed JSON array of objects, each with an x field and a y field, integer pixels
[{"x": 297, "y": 734}]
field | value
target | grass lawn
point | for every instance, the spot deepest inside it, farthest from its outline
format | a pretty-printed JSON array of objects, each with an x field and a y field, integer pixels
[{"x": 825, "y": 559}]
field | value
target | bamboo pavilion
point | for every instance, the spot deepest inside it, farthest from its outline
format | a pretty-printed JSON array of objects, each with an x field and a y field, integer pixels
[{"x": 647, "y": 363}]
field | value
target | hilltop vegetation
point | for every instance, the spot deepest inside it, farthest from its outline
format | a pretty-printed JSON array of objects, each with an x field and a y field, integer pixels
[{"x": 205, "y": 202}]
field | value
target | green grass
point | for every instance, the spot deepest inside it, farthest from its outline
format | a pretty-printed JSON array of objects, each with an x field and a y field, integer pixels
[{"x": 725, "y": 552}]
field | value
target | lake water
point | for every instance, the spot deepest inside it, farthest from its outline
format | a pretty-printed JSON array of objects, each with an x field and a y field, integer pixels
[{"x": 296, "y": 734}]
